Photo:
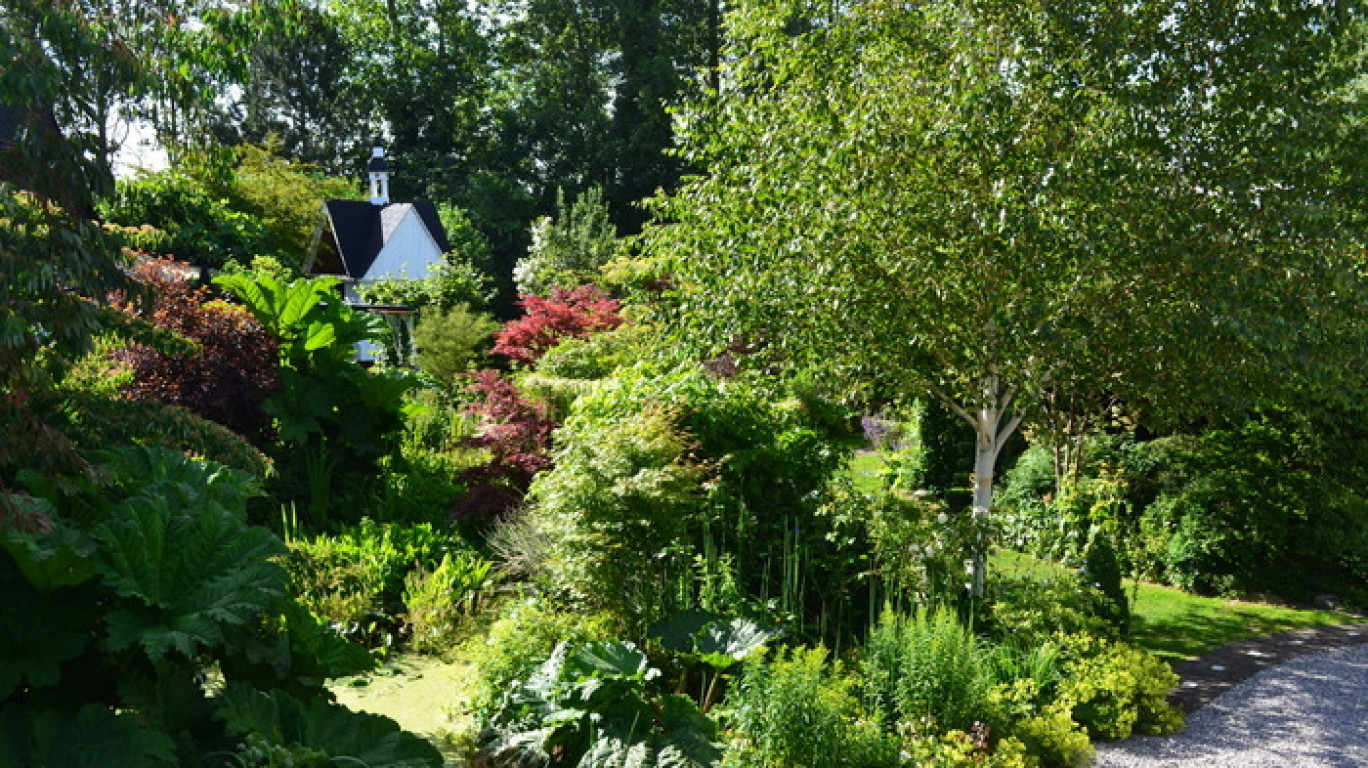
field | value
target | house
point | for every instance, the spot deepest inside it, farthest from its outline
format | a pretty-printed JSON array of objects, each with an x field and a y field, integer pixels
[{"x": 362, "y": 242}]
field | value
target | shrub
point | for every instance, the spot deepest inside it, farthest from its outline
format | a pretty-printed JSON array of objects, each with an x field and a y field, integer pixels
[
  {"x": 796, "y": 710},
  {"x": 927, "y": 670},
  {"x": 1271, "y": 505},
  {"x": 1032, "y": 611},
  {"x": 100, "y": 419},
  {"x": 517, "y": 433},
  {"x": 355, "y": 580},
  {"x": 203, "y": 229},
  {"x": 666, "y": 482},
  {"x": 1102, "y": 571},
  {"x": 1052, "y": 736},
  {"x": 526, "y": 631},
  {"x": 437, "y": 601},
  {"x": 231, "y": 370},
  {"x": 449, "y": 341},
  {"x": 920, "y": 547},
  {"x": 562, "y": 314},
  {"x": 960, "y": 749},
  {"x": 569, "y": 250},
  {"x": 1114, "y": 690}
]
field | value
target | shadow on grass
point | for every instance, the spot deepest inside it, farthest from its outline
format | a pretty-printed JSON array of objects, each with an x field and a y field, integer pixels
[{"x": 1177, "y": 627}]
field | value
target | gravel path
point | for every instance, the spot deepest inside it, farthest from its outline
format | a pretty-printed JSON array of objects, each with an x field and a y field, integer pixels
[{"x": 1311, "y": 712}]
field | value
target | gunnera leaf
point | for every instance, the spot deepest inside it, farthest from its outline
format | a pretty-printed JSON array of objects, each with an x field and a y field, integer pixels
[
  {"x": 608, "y": 658},
  {"x": 188, "y": 572},
  {"x": 677, "y": 633},
  {"x": 189, "y": 483},
  {"x": 62, "y": 558},
  {"x": 39, "y": 631},
  {"x": 348, "y": 737},
  {"x": 94, "y": 737},
  {"x": 316, "y": 651},
  {"x": 722, "y": 644}
]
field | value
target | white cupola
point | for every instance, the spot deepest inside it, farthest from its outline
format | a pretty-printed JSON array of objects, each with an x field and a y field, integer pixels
[{"x": 379, "y": 171}]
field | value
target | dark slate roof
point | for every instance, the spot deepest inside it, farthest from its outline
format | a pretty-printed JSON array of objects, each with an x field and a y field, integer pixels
[
  {"x": 360, "y": 229},
  {"x": 377, "y": 164}
]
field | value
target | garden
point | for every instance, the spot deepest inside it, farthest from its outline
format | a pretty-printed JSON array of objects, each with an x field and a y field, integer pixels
[{"x": 842, "y": 450}]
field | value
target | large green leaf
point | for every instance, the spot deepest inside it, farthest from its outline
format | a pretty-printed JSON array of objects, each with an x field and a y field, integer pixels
[
  {"x": 678, "y": 632},
  {"x": 683, "y": 738},
  {"x": 722, "y": 644},
  {"x": 188, "y": 483},
  {"x": 39, "y": 631},
  {"x": 605, "y": 659},
  {"x": 188, "y": 573},
  {"x": 63, "y": 558},
  {"x": 349, "y": 737},
  {"x": 94, "y": 737},
  {"x": 317, "y": 650}
]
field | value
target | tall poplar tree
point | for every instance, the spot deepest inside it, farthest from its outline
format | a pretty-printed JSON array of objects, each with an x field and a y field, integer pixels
[{"x": 995, "y": 202}]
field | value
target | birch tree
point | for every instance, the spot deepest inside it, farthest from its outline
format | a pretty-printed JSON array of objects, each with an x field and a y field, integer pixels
[{"x": 993, "y": 202}]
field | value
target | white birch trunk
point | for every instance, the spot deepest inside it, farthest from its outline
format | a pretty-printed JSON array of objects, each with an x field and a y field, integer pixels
[{"x": 993, "y": 426}]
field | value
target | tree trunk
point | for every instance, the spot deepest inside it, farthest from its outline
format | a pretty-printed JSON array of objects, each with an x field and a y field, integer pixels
[{"x": 993, "y": 426}]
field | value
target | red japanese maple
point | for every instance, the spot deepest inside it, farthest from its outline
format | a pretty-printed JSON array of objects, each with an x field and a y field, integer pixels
[{"x": 548, "y": 320}]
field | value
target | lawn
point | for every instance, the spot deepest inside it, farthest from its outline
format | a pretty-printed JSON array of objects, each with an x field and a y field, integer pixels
[
  {"x": 1176, "y": 626},
  {"x": 865, "y": 469}
]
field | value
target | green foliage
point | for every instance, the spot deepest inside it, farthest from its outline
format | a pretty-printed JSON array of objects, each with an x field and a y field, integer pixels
[
  {"x": 1102, "y": 571},
  {"x": 597, "y": 356},
  {"x": 356, "y": 580},
  {"x": 526, "y": 632},
  {"x": 567, "y": 251},
  {"x": 330, "y": 731},
  {"x": 94, "y": 737},
  {"x": 194, "y": 577},
  {"x": 664, "y": 484},
  {"x": 450, "y": 283},
  {"x": 89, "y": 409},
  {"x": 1052, "y": 735},
  {"x": 450, "y": 341},
  {"x": 1266, "y": 506},
  {"x": 203, "y": 229},
  {"x": 986, "y": 234},
  {"x": 794, "y": 710},
  {"x": 959, "y": 749},
  {"x": 335, "y": 420},
  {"x": 927, "y": 670},
  {"x": 440, "y": 600},
  {"x": 285, "y": 197},
  {"x": 1114, "y": 690},
  {"x": 596, "y": 706},
  {"x": 1031, "y": 610},
  {"x": 44, "y": 326},
  {"x": 920, "y": 545},
  {"x": 1028, "y": 521},
  {"x": 142, "y": 587}
]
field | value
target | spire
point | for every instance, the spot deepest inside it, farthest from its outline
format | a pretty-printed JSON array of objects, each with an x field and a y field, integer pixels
[{"x": 379, "y": 171}]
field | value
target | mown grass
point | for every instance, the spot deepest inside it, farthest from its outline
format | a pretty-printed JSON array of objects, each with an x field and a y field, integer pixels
[
  {"x": 1175, "y": 625},
  {"x": 865, "y": 469}
]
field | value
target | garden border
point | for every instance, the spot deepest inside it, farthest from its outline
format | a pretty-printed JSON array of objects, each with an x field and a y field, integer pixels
[{"x": 1210, "y": 675}]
